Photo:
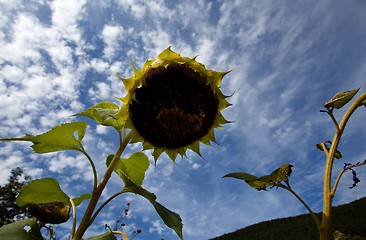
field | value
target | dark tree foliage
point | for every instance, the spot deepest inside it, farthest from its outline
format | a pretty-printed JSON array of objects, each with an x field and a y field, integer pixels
[{"x": 9, "y": 210}]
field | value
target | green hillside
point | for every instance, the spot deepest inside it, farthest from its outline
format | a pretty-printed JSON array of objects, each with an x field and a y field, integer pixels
[{"x": 347, "y": 218}]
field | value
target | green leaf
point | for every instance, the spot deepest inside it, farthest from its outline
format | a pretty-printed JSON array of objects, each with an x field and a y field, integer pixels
[
  {"x": 104, "y": 236},
  {"x": 171, "y": 219},
  {"x": 57, "y": 139},
  {"x": 105, "y": 114},
  {"x": 43, "y": 190},
  {"x": 20, "y": 230},
  {"x": 341, "y": 99},
  {"x": 77, "y": 201},
  {"x": 134, "y": 167}
]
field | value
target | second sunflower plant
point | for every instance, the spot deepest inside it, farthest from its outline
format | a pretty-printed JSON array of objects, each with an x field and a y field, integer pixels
[{"x": 172, "y": 104}]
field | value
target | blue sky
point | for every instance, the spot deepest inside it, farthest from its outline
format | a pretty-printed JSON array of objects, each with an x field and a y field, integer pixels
[{"x": 61, "y": 57}]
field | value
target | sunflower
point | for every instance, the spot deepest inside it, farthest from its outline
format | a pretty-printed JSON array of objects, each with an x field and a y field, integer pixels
[{"x": 172, "y": 104}]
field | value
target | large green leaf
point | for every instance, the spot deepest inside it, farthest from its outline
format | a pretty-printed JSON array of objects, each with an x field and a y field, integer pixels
[
  {"x": 134, "y": 167},
  {"x": 26, "y": 229},
  {"x": 104, "y": 236},
  {"x": 341, "y": 99},
  {"x": 104, "y": 114},
  {"x": 43, "y": 190},
  {"x": 260, "y": 183},
  {"x": 57, "y": 139}
]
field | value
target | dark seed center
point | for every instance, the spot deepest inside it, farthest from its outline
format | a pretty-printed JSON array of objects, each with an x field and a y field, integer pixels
[{"x": 176, "y": 107}]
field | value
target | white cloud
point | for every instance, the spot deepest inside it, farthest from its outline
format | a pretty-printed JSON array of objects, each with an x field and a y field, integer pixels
[
  {"x": 101, "y": 130},
  {"x": 112, "y": 35}
]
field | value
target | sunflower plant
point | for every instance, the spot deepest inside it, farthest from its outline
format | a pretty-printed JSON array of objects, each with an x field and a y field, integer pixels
[
  {"x": 172, "y": 104},
  {"x": 279, "y": 178}
]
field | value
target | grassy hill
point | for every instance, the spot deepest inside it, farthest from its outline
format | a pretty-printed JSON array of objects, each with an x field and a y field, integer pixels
[{"x": 347, "y": 218}]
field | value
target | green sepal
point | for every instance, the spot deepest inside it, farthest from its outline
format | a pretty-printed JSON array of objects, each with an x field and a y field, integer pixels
[
  {"x": 16, "y": 230},
  {"x": 105, "y": 114},
  {"x": 57, "y": 139},
  {"x": 260, "y": 183},
  {"x": 341, "y": 99},
  {"x": 45, "y": 190},
  {"x": 104, "y": 236}
]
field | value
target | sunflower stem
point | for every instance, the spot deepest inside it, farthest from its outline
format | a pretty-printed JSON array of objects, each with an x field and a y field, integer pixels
[
  {"x": 87, "y": 218},
  {"x": 328, "y": 194}
]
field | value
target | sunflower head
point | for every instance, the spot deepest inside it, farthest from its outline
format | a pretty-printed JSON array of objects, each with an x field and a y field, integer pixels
[{"x": 172, "y": 104}]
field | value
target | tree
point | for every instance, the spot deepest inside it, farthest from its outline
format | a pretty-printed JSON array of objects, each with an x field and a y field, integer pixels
[{"x": 9, "y": 210}]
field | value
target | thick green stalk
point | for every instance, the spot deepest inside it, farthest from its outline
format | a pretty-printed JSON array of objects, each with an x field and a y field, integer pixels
[
  {"x": 86, "y": 220},
  {"x": 324, "y": 231}
]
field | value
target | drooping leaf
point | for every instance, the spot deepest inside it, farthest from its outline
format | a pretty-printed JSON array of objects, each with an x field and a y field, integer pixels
[
  {"x": 341, "y": 99},
  {"x": 251, "y": 180},
  {"x": 242, "y": 176},
  {"x": 104, "y": 236},
  {"x": 320, "y": 147},
  {"x": 45, "y": 190},
  {"x": 131, "y": 186},
  {"x": 260, "y": 183},
  {"x": 57, "y": 139},
  {"x": 105, "y": 114},
  {"x": 26, "y": 229},
  {"x": 171, "y": 219},
  {"x": 77, "y": 201}
]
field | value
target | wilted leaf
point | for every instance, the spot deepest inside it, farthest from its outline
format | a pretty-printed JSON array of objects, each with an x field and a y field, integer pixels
[
  {"x": 45, "y": 190},
  {"x": 77, "y": 201},
  {"x": 104, "y": 236},
  {"x": 104, "y": 114},
  {"x": 282, "y": 173},
  {"x": 26, "y": 229},
  {"x": 363, "y": 103},
  {"x": 57, "y": 139},
  {"x": 320, "y": 147},
  {"x": 341, "y": 99}
]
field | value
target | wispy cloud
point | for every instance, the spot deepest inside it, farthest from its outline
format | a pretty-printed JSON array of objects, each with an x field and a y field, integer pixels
[{"x": 58, "y": 58}]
